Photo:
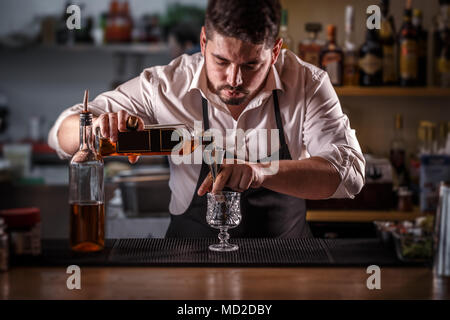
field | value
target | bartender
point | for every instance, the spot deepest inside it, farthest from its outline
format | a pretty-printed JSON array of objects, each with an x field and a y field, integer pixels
[{"x": 241, "y": 79}]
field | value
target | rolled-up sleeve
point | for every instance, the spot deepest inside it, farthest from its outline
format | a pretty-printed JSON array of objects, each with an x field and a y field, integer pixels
[
  {"x": 133, "y": 96},
  {"x": 327, "y": 134}
]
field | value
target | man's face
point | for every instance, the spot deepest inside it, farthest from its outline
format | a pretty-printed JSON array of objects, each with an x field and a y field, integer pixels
[{"x": 236, "y": 70}]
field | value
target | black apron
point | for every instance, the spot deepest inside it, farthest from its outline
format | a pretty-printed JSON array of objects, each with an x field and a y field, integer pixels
[{"x": 265, "y": 213}]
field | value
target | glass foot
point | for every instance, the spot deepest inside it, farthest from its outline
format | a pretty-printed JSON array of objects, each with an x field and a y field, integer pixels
[{"x": 223, "y": 247}]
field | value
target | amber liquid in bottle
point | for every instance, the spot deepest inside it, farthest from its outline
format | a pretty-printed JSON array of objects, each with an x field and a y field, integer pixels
[
  {"x": 109, "y": 148},
  {"x": 154, "y": 140},
  {"x": 87, "y": 225}
]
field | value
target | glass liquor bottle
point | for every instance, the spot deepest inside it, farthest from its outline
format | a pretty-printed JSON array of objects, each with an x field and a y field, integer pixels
[
  {"x": 351, "y": 72},
  {"x": 398, "y": 155},
  {"x": 387, "y": 38},
  {"x": 309, "y": 49},
  {"x": 422, "y": 38},
  {"x": 371, "y": 60},
  {"x": 332, "y": 57},
  {"x": 154, "y": 140},
  {"x": 444, "y": 60},
  {"x": 284, "y": 34},
  {"x": 86, "y": 193},
  {"x": 408, "y": 46},
  {"x": 440, "y": 23}
]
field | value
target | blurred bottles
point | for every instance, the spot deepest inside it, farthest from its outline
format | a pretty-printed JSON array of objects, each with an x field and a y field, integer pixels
[
  {"x": 351, "y": 72},
  {"x": 332, "y": 57},
  {"x": 309, "y": 49},
  {"x": 371, "y": 60},
  {"x": 443, "y": 62},
  {"x": 119, "y": 23},
  {"x": 422, "y": 47},
  {"x": 440, "y": 29},
  {"x": 409, "y": 52},
  {"x": 387, "y": 38},
  {"x": 284, "y": 34},
  {"x": 398, "y": 155},
  {"x": 426, "y": 138},
  {"x": 63, "y": 34}
]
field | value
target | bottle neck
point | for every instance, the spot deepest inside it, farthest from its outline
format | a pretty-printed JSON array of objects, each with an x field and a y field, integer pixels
[
  {"x": 407, "y": 16},
  {"x": 331, "y": 39},
  {"x": 86, "y": 131}
]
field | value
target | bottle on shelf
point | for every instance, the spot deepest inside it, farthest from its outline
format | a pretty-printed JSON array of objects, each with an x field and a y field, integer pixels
[
  {"x": 409, "y": 52},
  {"x": 427, "y": 138},
  {"x": 86, "y": 193},
  {"x": 351, "y": 71},
  {"x": 284, "y": 34},
  {"x": 112, "y": 28},
  {"x": 398, "y": 155},
  {"x": 125, "y": 22},
  {"x": 440, "y": 23},
  {"x": 441, "y": 142},
  {"x": 444, "y": 60},
  {"x": 387, "y": 38},
  {"x": 309, "y": 49},
  {"x": 332, "y": 57},
  {"x": 371, "y": 60},
  {"x": 422, "y": 42}
]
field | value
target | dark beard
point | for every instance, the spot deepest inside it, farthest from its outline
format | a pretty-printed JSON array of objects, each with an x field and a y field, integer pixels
[
  {"x": 228, "y": 101},
  {"x": 232, "y": 101}
]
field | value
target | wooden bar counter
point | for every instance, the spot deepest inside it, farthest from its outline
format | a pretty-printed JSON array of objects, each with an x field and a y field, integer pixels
[{"x": 222, "y": 283}]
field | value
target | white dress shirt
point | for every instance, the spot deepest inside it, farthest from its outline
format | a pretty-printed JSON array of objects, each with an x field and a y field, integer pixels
[{"x": 311, "y": 114}]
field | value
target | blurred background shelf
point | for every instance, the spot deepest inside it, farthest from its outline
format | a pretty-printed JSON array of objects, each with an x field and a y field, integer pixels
[
  {"x": 135, "y": 48},
  {"x": 392, "y": 92},
  {"x": 361, "y": 215}
]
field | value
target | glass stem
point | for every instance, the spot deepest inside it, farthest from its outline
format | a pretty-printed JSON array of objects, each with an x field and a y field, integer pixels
[{"x": 224, "y": 237}]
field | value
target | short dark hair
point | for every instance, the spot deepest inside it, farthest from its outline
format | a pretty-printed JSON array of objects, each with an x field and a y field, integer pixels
[{"x": 255, "y": 21}]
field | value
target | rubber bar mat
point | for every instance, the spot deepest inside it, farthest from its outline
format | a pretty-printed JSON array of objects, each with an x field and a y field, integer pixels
[
  {"x": 255, "y": 252},
  {"x": 195, "y": 252}
]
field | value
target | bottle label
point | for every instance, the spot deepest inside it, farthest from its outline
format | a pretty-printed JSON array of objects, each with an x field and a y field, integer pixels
[
  {"x": 331, "y": 64},
  {"x": 151, "y": 140},
  {"x": 370, "y": 64},
  {"x": 312, "y": 57},
  {"x": 310, "y": 53},
  {"x": 408, "y": 59},
  {"x": 389, "y": 74}
]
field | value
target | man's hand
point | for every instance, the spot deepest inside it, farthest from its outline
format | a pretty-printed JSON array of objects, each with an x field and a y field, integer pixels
[
  {"x": 109, "y": 123},
  {"x": 238, "y": 177}
]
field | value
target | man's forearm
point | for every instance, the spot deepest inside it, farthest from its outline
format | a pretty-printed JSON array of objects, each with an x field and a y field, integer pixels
[
  {"x": 313, "y": 178},
  {"x": 69, "y": 134}
]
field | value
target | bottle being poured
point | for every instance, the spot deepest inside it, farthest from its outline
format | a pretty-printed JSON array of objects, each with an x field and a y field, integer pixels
[{"x": 86, "y": 193}]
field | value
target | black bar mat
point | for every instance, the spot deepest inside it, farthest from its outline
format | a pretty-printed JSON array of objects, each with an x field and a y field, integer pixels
[
  {"x": 195, "y": 252},
  {"x": 57, "y": 252},
  {"x": 191, "y": 252}
]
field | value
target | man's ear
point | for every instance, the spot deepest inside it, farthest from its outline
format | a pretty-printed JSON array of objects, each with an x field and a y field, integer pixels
[
  {"x": 203, "y": 40},
  {"x": 276, "y": 50}
]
